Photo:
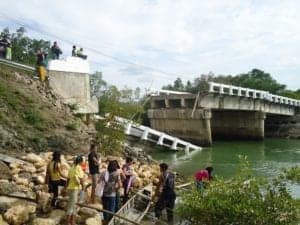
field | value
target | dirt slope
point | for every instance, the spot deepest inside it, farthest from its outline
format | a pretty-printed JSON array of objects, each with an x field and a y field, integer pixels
[{"x": 32, "y": 118}]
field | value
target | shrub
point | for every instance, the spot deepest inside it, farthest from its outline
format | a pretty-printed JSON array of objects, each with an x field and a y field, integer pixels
[
  {"x": 72, "y": 126},
  {"x": 40, "y": 143},
  {"x": 293, "y": 174},
  {"x": 242, "y": 200}
]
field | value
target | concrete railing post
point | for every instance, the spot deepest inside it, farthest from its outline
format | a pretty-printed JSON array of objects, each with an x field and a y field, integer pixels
[
  {"x": 145, "y": 134},
  {"x": 247, "y": 93},
  {"x": 161, "y": 140},
  {"x": 221, "y": 89},
  {"x": 230, "y": 90},
  {"x": 239, "y": 91},
  {"x": 128, "y": 128},
  {"x": 211, "y": 87},
  {"x": 187, "y": 149},
  {"x": 174, "y": 144}
]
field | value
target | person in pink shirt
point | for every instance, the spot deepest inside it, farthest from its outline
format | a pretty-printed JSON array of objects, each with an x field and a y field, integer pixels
[{"x": 203, "y": 177}]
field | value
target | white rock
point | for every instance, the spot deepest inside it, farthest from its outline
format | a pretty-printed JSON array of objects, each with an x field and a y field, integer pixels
[
  {"x": 33, "y": 158},
  {"x": 87, "y": 212},
  {"x": 57, "y": 215},
  {"x": 43, "y": 221},
  {"x": 93, "y": 221},
  {"x": 2, "y": 222},
  {"x": 19, "y": 214}
]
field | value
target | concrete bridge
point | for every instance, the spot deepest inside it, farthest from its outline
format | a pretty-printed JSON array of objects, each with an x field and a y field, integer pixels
[
  {"x": 160, "y": 138},
  {"x": 224, "y": 111}
]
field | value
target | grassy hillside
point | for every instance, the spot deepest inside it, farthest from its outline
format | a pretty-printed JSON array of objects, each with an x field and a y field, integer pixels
[{"x": 34, "y": 118}]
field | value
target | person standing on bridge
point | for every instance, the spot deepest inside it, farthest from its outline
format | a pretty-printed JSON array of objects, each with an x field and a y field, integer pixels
[
  {"x": 167, "y": 196},
  {"x": 55, "y": 50}
]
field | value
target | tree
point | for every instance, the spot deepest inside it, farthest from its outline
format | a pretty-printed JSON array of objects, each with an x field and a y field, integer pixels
[
  {"x": 258, "y": 79},
  {"x": 98, "y": 84}
]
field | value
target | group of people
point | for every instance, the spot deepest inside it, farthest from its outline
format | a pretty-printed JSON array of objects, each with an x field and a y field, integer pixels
[
  {"x": 42, "y": 57},
  {"x": 5, "y": 48},
  {"x": 107, "y": 184},
  {"x": 78, "y": 52},
  {"x": 113, "y": 179}
]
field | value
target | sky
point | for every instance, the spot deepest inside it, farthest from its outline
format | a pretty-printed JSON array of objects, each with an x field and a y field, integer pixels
[{"x": 149, "y": 43}]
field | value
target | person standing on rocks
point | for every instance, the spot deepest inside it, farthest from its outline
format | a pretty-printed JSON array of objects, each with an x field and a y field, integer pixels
[
  {"x": 128, "y": 178},
  {"x": 75, "y": 182},
  {"x": 94, "y": 163},
  {"x": 112, "y": 183},
  {"x": 167, "y": 196},
  {"x": 55, "y": 177}
]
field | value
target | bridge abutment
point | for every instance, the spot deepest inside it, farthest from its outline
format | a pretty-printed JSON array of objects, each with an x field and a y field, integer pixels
[{"x": 181, "y": 123}]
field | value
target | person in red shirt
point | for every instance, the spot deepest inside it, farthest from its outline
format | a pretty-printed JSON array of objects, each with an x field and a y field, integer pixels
[{"x": 203, "y": 177}]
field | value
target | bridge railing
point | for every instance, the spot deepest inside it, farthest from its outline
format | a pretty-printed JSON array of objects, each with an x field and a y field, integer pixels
[{"x": 251, "y": 93}]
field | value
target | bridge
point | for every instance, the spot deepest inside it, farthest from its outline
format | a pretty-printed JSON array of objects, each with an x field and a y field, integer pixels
[
  {"x": 223, "y": 111},
  {"x": 145, "y": 133}
]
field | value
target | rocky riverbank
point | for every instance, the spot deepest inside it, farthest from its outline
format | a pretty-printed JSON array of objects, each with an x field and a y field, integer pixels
[{"x": 25, "y": 178}]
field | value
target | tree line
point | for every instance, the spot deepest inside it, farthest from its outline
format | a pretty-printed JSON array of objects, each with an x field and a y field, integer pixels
[{"x": 255, "y": 79}]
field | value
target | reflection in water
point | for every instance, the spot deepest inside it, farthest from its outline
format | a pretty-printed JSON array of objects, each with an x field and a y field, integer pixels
[{"x": 268, "y": 158}]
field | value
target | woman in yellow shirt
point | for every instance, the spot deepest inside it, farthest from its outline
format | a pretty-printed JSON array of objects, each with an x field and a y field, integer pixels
[
  {"x": 54, "y": 176},
  {"x": 74, "y": 184}
]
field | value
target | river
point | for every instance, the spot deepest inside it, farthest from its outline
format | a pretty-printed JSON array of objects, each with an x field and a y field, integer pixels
[{"x": 268, "y": 158}]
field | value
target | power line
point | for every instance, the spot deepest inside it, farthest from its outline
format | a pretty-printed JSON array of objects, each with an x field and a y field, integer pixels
[{"x": 123, "y": 61}]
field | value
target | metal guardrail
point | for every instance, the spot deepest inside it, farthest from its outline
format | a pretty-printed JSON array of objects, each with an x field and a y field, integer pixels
[
  {"x": 251, "y": 93},
  {"x": 17, "y": 65}
]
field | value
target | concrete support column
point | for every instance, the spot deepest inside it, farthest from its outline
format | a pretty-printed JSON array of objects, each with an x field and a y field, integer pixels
[
  {"x": 178, "y": 122},
  {"x": 182, "y": 102},
  {"x": 167, "y": 103}
]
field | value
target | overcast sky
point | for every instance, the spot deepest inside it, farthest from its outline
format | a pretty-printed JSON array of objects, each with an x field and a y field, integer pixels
[{"x": 156, "y": 41}]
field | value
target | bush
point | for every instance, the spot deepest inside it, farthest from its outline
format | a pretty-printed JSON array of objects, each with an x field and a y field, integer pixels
[
  {"x": 243, "y": 200},
  {"x": 72, "y": 126},
  {"x": 40, "y": 143},
  {"x": 293, "y": 174}
]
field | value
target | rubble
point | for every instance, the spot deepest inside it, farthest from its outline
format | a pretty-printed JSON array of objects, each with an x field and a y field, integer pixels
[{"x": 24, "y": 197}]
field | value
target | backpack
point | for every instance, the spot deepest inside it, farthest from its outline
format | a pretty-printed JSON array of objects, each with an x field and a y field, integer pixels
[{"x": 110, "y": 184}]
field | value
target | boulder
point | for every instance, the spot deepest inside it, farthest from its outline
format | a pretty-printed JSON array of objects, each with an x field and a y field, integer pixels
[
  {"x": 19, "y": 214},
  {"x": 2, "y": 222},
  {"x": 93, "y": 221},
  {"x": 57, "y": 215},
  {"x": 43, "y": 201},
  {"x": 33, "y": 158},
  {"x": 43, "y": 221},
  {"x": 6, "y": 203},
  {"x": 87, "y": 212},
  {"x": 5, "y": 172}
]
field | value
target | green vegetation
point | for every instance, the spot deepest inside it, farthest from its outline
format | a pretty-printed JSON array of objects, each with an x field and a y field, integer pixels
[
  {"x": 244, "y": 199},
  {"x": 114, "y": 102},
  {"x": 293, "y": 174},
  {"x": 255, "y": 79}
]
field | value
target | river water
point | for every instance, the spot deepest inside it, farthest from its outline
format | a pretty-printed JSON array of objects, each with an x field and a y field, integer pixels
[{"x": 268, "y": 158}]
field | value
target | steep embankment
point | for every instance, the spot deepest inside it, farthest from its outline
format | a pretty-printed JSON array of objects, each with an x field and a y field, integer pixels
[{"x": 34, "y": 118}]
